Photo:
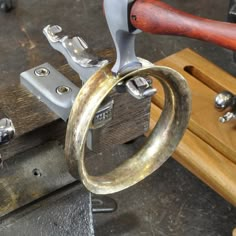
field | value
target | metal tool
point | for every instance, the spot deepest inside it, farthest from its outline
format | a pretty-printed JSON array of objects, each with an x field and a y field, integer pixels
[
  {"x": 7, "y": 129},
  {"x": 86, "y": 63},
  {"x": 58, "y": 93},
  {"x": 134, "y": 73},
  {"x": 126, "y": 18},
  {"x": 51, "y": 87},
  {"x": 82, "y": 59},
  {"x": 123, "y": 34},
  {"x": 140, "y": 87},
  {"x": 226, "y": 101},
  {"x": 131, "y": 70},
  {"x": 157, "y": 149}
]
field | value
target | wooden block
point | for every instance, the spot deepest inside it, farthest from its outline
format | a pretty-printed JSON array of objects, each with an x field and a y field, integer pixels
[
  {"x": 204, "y": 161},
  {"x": 205, "y": 81},
  {"x": 208, "y": 147}
]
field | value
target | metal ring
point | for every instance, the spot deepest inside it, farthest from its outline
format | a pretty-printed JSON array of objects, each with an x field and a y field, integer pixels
[{"x": 158, "y": 148}]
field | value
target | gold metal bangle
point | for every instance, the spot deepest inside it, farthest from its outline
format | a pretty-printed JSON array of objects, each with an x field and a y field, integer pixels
[{"x": 159, "y": 146}]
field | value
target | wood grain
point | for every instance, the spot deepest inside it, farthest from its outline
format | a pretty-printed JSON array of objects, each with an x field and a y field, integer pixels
[
  {"x": 234, "y": 232},
  {"x": 157, "y": 17},
  {"x": 204, "y": 119},
  {"x": 204, "y": 161}
]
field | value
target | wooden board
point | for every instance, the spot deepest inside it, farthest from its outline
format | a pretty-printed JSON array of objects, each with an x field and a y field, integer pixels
[
  {"x": 204, "y": 161},
  {"x": 208, "y": 147},
  {"x": 205, "y": 81}
]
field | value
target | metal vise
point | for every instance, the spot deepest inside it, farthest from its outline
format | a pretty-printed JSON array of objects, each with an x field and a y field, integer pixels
[{"x": 123, "y": 115}]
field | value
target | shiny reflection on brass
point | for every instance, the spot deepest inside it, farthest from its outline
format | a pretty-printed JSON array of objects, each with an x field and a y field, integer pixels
[{"x": 157, "y": 149}]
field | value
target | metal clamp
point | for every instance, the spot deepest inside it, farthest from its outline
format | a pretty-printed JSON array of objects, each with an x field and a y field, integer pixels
[
  {"x": 58, "y": 93},
  {"x": 52, "y": 88},
  {"x": 157, "y": 149},
  {"x": 79, "y": 57},
  {"x": 140, "y": 87}
]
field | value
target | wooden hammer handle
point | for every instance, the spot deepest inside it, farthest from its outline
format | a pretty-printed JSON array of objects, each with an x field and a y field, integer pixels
[{"x": 156, "y": 17}]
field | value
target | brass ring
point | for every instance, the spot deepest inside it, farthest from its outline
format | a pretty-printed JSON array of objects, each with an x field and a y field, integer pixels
[{"x": 157, "y": 149}]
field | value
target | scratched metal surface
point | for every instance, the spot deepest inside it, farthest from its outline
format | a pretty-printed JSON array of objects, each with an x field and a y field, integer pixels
[
  {"x": 67, "y": 212},
  {"x": 43, "y": 167},
  {"x": 170, "y": 202}
]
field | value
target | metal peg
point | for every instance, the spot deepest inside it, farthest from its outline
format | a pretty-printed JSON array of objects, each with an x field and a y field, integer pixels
[
  {"x": 140, "y": 87},
  {"x": 227, "y": 117},
  {"x": 226, "y": 100},
  {"x": 7, "y": 130}
]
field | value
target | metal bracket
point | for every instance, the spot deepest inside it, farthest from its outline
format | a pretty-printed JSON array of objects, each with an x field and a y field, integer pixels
[
  {"x": 103, "y": 204},
  {"x": 51, "y": 87},
  {"x": 58, "y": 93},
  {"x": 80, "y": 58}
]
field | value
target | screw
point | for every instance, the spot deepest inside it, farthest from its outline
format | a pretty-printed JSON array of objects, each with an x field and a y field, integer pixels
[
  {"x": 61, "y": 90},
  {"x": 42, "y": 72},
  {"x": 36, "y": 173}
]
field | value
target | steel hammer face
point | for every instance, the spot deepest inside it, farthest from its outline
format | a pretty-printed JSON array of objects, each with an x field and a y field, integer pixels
[{"x": 123, "y": 34}]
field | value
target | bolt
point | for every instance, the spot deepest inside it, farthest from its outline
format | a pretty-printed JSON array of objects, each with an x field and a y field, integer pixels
[
  {"x": 61, "y": 90},
  {"x": 7, "y": 130},
  {"x": 227, "y": 117},
  {"x": 42, "y": 72},
  {"x": 140, "y": 88}
]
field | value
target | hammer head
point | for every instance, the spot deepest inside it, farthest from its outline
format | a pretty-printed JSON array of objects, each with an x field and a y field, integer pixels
[{"x": 117, "y": 13}]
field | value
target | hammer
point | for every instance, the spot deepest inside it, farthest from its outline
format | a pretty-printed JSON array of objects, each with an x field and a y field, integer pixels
[{"x": 126, "y": 18}]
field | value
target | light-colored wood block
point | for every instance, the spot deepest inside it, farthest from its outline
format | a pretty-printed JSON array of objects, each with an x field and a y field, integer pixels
[
  {"x": 208, "y": 147},
  {"x": 205, "y": 81},
  {"x": 204, "y": 161}
]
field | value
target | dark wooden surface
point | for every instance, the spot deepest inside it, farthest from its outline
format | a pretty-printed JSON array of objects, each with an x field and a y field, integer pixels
[{"x": 157, "y": 17}]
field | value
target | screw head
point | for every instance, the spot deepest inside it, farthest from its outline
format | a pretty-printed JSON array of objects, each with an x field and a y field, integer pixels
[
  {"x": 61, "y": 90},
  {"x": 42, "y": 72},
  {"x": 37, "y": 173}
]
